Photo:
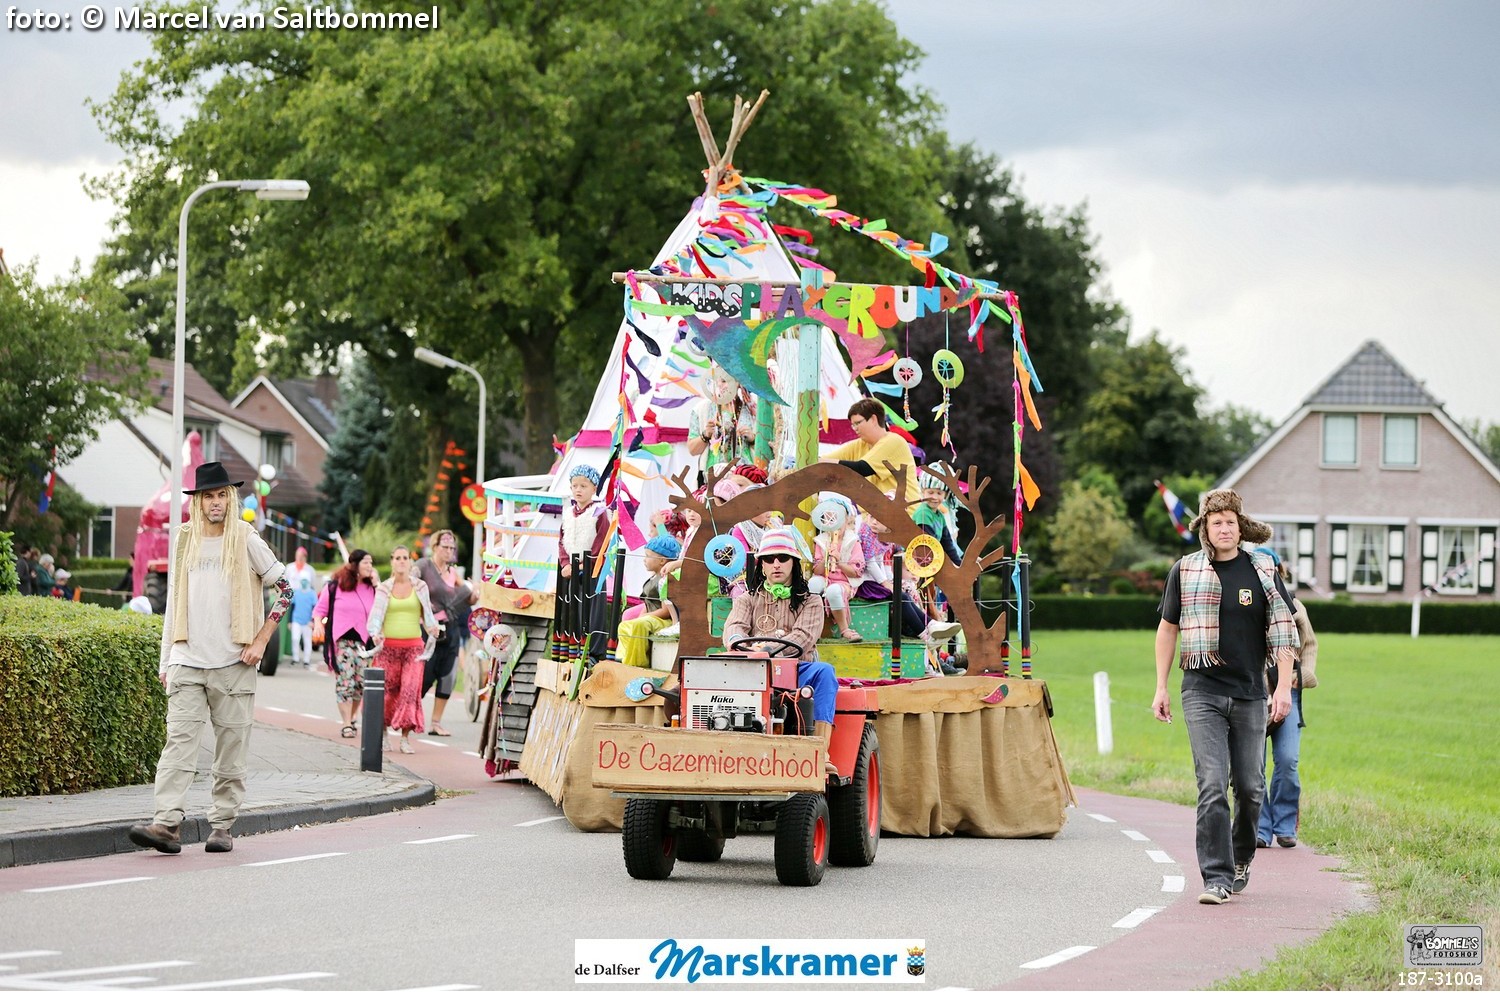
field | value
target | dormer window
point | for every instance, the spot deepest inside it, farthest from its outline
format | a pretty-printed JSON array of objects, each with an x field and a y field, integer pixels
[
  {"x": 1340, "y": 439},
  {"x": 1398, "y": 441}
]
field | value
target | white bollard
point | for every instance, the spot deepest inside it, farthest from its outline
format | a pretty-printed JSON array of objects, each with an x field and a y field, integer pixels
[
  {"x": 1101, "y": 713},
  {"x": 1416, "y": 616}
]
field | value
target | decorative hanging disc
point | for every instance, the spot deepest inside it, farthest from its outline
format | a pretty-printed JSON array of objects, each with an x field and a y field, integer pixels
[
  {"x": 722, "y": 389},
  {"x": 725, "y": 556},
  {"x": 908, "y": 373},
  {"x": 472, "y": 503},
  {"x": 947, "y": 368},
  {"x": 481, "y": 620},
  {"x": 498, "y": 640},
  {"x": 924, "y": 557},
  {"x": 829, "y": 516}
]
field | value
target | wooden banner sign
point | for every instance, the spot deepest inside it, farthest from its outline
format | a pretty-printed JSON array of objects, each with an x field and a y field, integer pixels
[{"x": 643, "y": 758}]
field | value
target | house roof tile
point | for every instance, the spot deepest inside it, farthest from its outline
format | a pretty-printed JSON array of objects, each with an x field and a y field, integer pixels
[{"x": 1371, "y": 378}]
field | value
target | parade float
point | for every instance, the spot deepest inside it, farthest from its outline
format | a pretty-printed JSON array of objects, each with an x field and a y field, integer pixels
[{"x": 736, "y": 312}]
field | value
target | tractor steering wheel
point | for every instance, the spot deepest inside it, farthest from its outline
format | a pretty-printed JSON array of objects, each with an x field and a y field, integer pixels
[{"x": 785, "y": 647}]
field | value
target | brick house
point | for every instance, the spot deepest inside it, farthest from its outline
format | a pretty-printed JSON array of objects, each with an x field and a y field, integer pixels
[{"x": 1374, "y": 491}]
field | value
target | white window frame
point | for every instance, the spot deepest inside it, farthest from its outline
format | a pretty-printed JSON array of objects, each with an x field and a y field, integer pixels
[
  {"x": 1416, "y": 445},
  {"x": 1446, "y": 535},
  {"x": 1378, "y": 542},
  {"x": 105, "y": 514},
  {"x": 286, "y": 453},
  {"x": 1323, "y": 442},
  {"x": 209, "y": 431}
]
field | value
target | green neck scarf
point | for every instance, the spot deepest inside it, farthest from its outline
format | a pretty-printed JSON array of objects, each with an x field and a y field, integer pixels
[{"x": 779, "y": 591}]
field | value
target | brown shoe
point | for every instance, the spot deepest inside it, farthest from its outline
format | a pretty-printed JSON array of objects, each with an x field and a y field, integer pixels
[
  {"x": 219, "y": 842},
  {"x": 166, "y": 839}
]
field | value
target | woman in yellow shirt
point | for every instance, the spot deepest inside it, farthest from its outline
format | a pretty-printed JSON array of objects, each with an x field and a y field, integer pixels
[
  {"x": 873, "y": 446},
  {"x": 402, "y": 611}
]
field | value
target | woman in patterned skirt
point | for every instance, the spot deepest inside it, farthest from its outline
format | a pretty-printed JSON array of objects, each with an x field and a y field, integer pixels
[
  {"x": 402, "y": 611},
  {"x": 343, "y": 614}
]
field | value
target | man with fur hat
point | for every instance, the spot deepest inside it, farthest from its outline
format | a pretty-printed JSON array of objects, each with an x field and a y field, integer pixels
[
  {"x": 779, "y": 604},
  {"x": 213, "y": 636},
  {"x": 1233, "y": 619}
]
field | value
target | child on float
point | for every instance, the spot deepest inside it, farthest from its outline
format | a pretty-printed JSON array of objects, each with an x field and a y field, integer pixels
[
  {"x": 585, "y": 524},
  {"x": 839, "y": 563},
  {"x": 657, "y": 612},
  {"x": 779, "y": 604},
  {"x": 879, "y": 575},
  {"x": 935, "y": 516}
]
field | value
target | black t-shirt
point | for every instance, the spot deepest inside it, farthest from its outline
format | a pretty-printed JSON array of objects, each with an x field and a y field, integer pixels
[{"x": 1243, "y": 617}]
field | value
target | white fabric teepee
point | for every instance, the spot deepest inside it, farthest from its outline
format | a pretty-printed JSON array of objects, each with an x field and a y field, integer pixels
[{"x": 663, "y": 389}]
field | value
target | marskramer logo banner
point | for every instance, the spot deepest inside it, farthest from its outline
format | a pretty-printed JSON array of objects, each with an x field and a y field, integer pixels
[{"x": 793, "y": 961}]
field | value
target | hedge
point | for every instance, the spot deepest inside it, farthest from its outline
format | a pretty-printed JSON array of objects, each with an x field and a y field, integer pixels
[
  {"x": 1057, "y": 611},
  {"x": 80, "y": 704}
]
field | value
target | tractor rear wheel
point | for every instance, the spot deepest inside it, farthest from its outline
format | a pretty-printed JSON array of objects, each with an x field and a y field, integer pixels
[
  {"x": 698, "y": 845},
  {"x": 802, "y": 839},
  {"x": 855, "y": 808},
  {"x": 650, "y": 843}
]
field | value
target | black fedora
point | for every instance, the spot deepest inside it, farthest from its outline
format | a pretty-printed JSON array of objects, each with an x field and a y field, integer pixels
[{"x": 211, "y": 476}]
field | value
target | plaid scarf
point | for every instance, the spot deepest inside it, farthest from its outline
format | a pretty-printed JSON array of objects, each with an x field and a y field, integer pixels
[{"x": 1199, "y": 623}]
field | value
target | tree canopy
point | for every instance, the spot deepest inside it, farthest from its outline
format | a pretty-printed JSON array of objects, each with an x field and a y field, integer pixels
[
  {"x": 473, "y": 187},
  {"x": 68, "y": 363}
]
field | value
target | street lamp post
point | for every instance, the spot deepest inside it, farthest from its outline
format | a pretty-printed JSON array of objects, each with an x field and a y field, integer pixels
[
  {"x": 443, "y": 361},
  {"x": 265, "y": 190}
]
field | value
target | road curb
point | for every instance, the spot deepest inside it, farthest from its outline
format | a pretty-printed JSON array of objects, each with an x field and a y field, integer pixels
[{"x": 34, "y": 847}]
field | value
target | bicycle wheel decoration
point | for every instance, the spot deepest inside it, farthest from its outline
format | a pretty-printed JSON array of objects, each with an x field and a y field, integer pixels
[
  {"x": 829, "y": 516},
  {"x": 725, "y": 556},
  {"x": 924, "y": 557},
  {"x": 949, "y": 372},
  {"x": 481, "y": 620},
  {"x": 908, "y": 376}
]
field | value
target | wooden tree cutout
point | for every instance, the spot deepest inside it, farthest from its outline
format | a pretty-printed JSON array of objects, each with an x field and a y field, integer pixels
[{"x": 690, "y": 593}]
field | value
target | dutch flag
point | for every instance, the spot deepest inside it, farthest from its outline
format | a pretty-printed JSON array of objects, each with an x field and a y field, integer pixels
[{"x": 1176, "y": 511}]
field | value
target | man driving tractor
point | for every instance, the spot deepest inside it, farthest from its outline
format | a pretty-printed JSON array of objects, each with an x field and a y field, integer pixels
[{"x": 777, "y": 603}]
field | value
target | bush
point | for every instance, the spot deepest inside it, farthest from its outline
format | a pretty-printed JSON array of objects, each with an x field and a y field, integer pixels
[
  {"x": 10, "y": 582},
  {"x": 379, "y": 537},
  {"x": 99, "y": 562},
  {"x": 80, "y": 704},
  {"x": 1121, "y": 585}
]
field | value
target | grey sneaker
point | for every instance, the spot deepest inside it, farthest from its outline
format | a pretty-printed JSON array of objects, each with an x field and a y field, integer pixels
[
  {"x": 1241, "y": 877},
  {"x": 1214, "y": 894},
  {"x": 166, "y": 839}
]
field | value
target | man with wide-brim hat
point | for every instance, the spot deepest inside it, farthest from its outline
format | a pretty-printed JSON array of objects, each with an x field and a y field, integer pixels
[
  {"x": 1233, "y": 619},
  {"x": 213, "y": 636}
]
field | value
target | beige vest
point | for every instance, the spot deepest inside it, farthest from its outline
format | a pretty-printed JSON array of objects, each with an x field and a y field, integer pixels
[{"x": 247, "y": 608}]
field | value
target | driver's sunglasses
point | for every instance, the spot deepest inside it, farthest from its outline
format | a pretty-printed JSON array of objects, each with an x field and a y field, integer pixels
[{"x": 776, "y": 558}]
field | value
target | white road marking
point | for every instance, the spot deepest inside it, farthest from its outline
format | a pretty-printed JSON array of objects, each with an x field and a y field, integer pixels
[
  {"x": 309, "y": 715},
  {"x": 224, "y": 983},
  {"x": 65, "y": 973},
  {"x": 271, "y": 708},
  {"x": 1135, "y": 835},
  {"x": 84, "y": 885},
  {"x": 470, "y": 753},
  {"x": 1160, "y": 857},
  {"x": 118, "y": 981},
  {"x": 440, "y": 840},
  {"x": 8, "y": 955},
  {"x": 539, "y": 822},
  {"x": 433, "y": 743},
  {"x": 287, "y": 861},
  {"x": 447, "y": 988},
  {"x": 1100, "y": 817},
  {"x": 1173, "y": 883},
  {"x": 1138, "y": 916},
  {"x": 1057, "y": 958}
]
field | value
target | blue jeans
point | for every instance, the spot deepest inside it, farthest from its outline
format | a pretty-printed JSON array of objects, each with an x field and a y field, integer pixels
[
  {"x": 820, "y": 677},
  {"x": 1228, "y": 737},
  {"x": 1278, "y": 813}
]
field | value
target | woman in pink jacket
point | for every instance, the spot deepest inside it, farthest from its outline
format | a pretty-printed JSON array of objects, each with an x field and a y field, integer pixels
[{"x": 343, "y": 609}]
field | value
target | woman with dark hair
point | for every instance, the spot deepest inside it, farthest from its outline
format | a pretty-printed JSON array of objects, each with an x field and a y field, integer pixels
[
  {"x": 777, "y": 604},
  {"x": 343, "y": 614}
]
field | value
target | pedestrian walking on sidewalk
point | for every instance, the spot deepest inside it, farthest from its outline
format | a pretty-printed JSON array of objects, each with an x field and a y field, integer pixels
[
  {"x": 402, "y": 612},
  {"x": 1234, "y": 619},
  {"x": 343, "y": 613},
  {"x": 451, "y": 598},
  {"x": 303, "y": 601},
  {"x": 1281, "y": 808},
  {"x": 214, "y": 633}
]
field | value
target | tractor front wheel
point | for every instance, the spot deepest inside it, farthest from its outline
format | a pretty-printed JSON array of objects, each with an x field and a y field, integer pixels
[
  {"x": 802, "y": 835},
  {"x": 650, "y": 843}
]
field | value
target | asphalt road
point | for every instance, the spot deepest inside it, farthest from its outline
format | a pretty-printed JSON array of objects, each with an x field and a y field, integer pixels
[{"x": 490, "y": 887}]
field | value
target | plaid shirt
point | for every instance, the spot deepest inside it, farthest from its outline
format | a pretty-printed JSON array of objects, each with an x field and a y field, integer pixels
[{"x": 1199, "y": 623}]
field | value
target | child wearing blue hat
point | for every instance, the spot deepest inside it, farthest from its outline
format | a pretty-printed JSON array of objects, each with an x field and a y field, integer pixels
[
  {"x": 585, "y": 525},
  {"x": 635, "y": 634}
]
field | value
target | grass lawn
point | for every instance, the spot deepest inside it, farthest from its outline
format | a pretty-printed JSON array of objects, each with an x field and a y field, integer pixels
[{"x": 1400, "y": 771}]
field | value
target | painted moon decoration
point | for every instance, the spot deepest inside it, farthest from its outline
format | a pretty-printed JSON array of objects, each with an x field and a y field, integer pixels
[
  {"x": 947, "y": 368},
  {"x": 908, "y": 373},
  {"x": 725, "y": 556},
  {"x": 481, "y": 620},
  {"x": 829, "y": 515},
  {"x": 498, "y": 640},
  {"x": 924, "y": 557}
]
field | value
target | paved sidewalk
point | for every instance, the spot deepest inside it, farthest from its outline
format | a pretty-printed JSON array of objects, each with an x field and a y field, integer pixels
[{"x": 295, "y": 779}]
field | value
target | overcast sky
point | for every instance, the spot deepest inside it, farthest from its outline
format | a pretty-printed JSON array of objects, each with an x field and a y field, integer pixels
[{"x": 1270, "y": 183}]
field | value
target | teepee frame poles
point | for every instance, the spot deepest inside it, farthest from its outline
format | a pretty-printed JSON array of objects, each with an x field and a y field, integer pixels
[{"x": 744, "y": 114}]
